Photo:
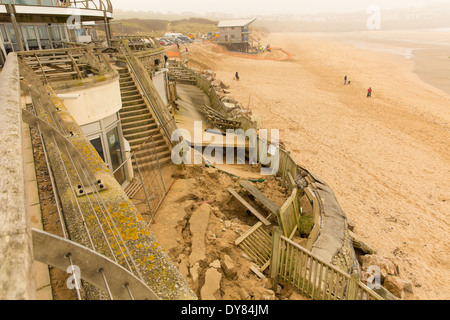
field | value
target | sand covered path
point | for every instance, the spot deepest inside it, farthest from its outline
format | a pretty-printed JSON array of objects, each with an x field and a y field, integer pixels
[{"x": 387, "y": 158}]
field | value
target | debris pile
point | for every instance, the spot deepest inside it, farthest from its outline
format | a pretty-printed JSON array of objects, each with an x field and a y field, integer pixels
[{"x": 376, "y": 268}]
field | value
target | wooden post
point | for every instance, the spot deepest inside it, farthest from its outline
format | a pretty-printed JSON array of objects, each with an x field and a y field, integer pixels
[
  {"x": 353, "y": 287},
  {"x": 275, "y": 256},
  {"x": 285, "y": 168}
]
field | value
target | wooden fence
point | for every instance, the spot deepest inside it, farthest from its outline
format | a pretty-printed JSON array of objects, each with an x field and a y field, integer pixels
[
  {"x": 289, "y": 215},
  {"x": 290, "y": 263}
]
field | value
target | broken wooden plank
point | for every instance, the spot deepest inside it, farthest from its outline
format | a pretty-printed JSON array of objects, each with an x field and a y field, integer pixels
[
  {"x": 272, "y": 207},
  {"x": 249, "y": 207},
  {"x": 249, "y": 232},
  {"x": 256, "y": 270}
]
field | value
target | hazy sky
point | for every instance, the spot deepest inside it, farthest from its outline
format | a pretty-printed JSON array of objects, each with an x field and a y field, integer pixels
[{"x": 249, "y": 7}]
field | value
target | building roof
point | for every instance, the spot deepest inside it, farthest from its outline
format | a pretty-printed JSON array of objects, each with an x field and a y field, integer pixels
[{"x": 235, "y": 23}]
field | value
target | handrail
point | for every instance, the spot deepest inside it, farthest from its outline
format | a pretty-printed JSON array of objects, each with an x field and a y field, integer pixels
[
  {"x": 101, "y": 5},
  {"x": 155, "y": 111}
]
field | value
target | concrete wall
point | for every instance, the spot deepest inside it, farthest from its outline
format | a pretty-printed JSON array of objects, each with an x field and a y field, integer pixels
[
  {"x": 96, "y": 102},
  {"x": 160, "y": 82},
  {"x": 16, "y": 254}
]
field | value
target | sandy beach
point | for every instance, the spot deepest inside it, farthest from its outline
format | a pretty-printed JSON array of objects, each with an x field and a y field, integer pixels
[{"x": 387, "y": 158}]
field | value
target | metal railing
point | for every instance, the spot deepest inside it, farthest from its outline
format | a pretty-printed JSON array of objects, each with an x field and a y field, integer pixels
[
  {"x": 88, "y": 265},
  {"x": 162, "y": 114},
  {"x": 76, "y": 63},
  {"x": 77, "y": 175},
  {"x": 101, "y": 5},
  {"x": 148, "y": 172}
]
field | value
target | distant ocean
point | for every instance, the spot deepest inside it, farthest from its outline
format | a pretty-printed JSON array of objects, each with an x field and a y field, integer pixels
[{"x": 407, "y": 53}]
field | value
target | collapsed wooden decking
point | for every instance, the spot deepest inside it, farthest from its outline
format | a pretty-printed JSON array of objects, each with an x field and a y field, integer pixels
[{"x": 267, "y": 203}]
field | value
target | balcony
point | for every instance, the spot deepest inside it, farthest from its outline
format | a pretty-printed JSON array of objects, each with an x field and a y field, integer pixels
[{"x": 86, "y": 9}]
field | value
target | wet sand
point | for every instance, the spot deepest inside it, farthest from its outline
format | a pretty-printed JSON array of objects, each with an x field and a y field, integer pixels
[{"x": 387, "y": 158}]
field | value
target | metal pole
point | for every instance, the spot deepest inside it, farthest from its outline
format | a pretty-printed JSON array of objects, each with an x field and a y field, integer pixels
[
  {"x": 11, "y": 10},
  {"x": 143, "y": 184},
  {"x": 77, "y": 285},
  {"x": 128, "y": 290},
  {"x": 159, "y": 165},
  {"x": 106, "y": 283}
]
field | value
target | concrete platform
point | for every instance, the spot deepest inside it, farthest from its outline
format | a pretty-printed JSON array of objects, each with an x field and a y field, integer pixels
[{"x": 190, "y": 114}]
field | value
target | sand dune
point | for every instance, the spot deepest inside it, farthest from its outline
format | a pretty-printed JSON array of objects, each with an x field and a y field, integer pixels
[{"x": 387, "y": 158}]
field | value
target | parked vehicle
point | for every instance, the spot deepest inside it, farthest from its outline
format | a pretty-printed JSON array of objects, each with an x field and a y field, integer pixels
[{"x": 184, "y": 39}]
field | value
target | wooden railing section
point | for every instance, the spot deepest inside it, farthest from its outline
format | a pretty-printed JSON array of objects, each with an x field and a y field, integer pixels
[{"x": 290, "y": 263}]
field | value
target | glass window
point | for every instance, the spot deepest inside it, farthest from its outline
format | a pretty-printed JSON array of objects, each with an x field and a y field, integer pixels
[
  {"x": 115, "y": 153},
  {"x": 30, "y": 35},
  {"x": 44, "y": 37},
  {"x": 12, "y": 33},
  {"x": 63, "y": 32},
  {"x": 4, "y": 34},
  {"x": 8, "y": 48},
  {"x": 56, "y": 36},
  {"x": 97, "y": 143}
]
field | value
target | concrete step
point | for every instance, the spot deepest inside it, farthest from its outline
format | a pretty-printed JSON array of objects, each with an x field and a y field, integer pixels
[
  {"x": 131, "y": 98},
  {"x": 147, "y": 152},
  {"x": 157, "y": 140},
  {"x": 126, "y": 82},
  {"x": 123, "y": 71},
  {"x": 126, "y": 114},
  {"x": 129, "y": 88},
  {"x": 136, "y": 118},
  {"x": 132, "y": 125},
  {"x": 136, "y": 129},
  {"x": 132, "y": 103},
  {"x": 129, "y": 93},
  {"x": 149, "y": 165},
  {"x": 143, "y": 133},
  {"x": 134, "y": 107}
]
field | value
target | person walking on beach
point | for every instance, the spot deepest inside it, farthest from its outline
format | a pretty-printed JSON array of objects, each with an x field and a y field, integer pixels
[
  {"x": 369, "y": 92},
  {"x": 345, "y": 80},
  {"x": 237, "y": 76}
]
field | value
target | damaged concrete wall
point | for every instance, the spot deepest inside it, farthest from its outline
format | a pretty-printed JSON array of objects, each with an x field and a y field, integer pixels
[{"x": 333, "y": 243}]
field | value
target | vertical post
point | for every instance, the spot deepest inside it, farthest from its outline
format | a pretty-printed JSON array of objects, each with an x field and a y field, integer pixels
[
  {"x": 159, "y": 165},
  {"x": 352, "y": 293},
  {"x": 275, "y": 256},
  {"x": 285, "y": 168},
  {"x": 107, "y": 29},
  {"x": 142, "y": 181},
  {"x": 12, "y": 12}
]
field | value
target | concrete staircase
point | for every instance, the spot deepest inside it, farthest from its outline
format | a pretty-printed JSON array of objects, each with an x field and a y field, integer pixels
[{"x": 138, "y": 125}]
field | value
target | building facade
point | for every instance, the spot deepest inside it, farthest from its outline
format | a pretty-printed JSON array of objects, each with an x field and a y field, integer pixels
[{"x": 235, "y": 34}]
